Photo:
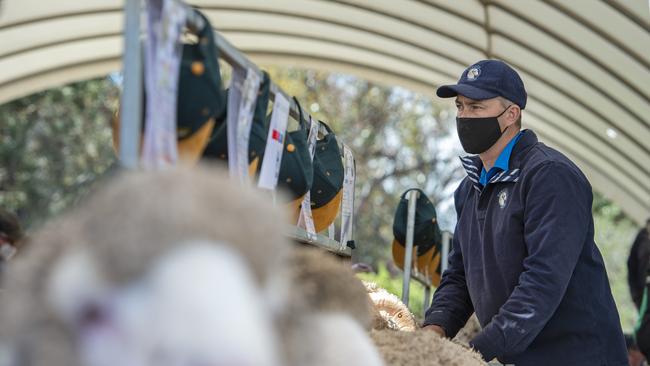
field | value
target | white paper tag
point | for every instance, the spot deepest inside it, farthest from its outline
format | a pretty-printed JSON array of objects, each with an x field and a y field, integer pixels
[
  {"x": 163, "y": 50},
  {"x": 313, "y": 135},
  {"x": 347, "y": 205},
  {"x": 306, "y": 218},
  {"x": 239, "y": 134},
  {"x": 234, "y": 98},
  {"x": 270, "y": 170}
]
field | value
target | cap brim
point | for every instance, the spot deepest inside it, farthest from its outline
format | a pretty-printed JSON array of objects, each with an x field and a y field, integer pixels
[
  {"x": 466, "y": 90},
  {"x": 398, "y": 254},
  {"x": 190, "y": 149},
  {"x": 433, "y": 270},
  {"x": 325, "y": 215},
  {"x": 422, "y": 262}
]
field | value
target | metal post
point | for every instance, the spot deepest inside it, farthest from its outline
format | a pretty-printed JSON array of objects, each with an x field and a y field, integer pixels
[
  {"x": 446, "y": 244},
  {"x": 427, "y": 298},
  {"x": 131, "y": 103},
  {"x": 408, "y": 256}
]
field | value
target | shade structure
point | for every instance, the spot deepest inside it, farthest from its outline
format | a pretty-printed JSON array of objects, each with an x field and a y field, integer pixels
[{"x": 585, "y": 63}]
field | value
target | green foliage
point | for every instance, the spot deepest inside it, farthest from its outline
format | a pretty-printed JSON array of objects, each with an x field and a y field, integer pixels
[
  {"x": 53, "y": 145},
  {"x": 614, "y": 234},
  {"x": 393, "y": 284}
]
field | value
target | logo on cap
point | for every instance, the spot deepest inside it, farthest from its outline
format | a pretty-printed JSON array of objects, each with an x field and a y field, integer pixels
[{"x": 473, "y": 73}]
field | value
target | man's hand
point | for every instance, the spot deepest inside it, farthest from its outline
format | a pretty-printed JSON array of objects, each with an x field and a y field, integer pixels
[{"x": 435, "y": 328}]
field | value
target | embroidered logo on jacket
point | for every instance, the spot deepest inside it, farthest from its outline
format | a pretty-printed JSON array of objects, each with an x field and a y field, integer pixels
[{"x": 503, "y": 198}]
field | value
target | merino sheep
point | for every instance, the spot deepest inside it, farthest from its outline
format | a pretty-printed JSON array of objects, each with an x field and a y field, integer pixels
[
  {"x": 400, "y": 343},
  {"x": 129, "y": 276},
  {"x": 116, "y": 237}
]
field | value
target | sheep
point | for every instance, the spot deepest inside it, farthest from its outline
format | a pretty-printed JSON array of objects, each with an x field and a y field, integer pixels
[
  {"x": 396, "y": 333},
  {"x": 94, "y": 285},
  {"x": 118, "y": 235}
]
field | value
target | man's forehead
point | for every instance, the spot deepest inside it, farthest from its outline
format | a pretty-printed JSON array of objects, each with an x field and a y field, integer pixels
[{"x": 466, "y": 100}]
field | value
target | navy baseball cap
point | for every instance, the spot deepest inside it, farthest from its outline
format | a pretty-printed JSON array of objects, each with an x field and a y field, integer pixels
[{"x": 488, "y": 79}]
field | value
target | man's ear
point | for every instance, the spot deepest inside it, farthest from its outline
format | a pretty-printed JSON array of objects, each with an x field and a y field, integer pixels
[{"x": 512, "y": 114}]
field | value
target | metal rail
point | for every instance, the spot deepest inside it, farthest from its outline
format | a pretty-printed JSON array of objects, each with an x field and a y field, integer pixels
[{"x": 131, "y": 100}]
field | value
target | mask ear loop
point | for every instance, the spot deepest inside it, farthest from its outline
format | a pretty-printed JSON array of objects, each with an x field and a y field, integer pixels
[{"x": 501, "y": 114}]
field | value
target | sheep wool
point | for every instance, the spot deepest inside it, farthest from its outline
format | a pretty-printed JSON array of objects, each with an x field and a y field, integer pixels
[
  {"x": 324, "y": 284},
  {"x": 468, "y": 332},
  {"x": 327, "y": 315},
  {"x": 422, "y": 348},
  {"x": 330, "y": 339}
]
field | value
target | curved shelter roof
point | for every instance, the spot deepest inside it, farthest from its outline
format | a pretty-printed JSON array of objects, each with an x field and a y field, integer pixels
[{"x": 586, "y": 64}]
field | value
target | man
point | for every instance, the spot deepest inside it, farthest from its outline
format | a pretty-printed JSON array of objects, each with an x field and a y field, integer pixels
[
  {"x": 523, "y": 256},
  {"x": 637, "y": 264}
]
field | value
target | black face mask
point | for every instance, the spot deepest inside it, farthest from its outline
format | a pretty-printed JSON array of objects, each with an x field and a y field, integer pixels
[{"x": 479, "y": 134}]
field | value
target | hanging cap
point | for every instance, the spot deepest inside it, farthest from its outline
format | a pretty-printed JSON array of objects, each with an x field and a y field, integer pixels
[
  {"x": 296, "y": 168},
  {"x": 218, "y": 145},
  {"x": 201, "y": 97},
  {"x": 427, "y": 237},
  {"x": 326, "y": 192}
]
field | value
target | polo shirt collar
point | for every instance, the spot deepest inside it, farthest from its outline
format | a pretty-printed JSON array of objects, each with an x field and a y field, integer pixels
[
  {"x": 501, "y": 164},
  {"x": 518, "y": 146}
]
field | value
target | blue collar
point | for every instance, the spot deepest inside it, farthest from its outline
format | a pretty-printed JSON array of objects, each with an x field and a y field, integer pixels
[
  {"x": 498, "y": 173},
  {"x": 502, "y": 163}
]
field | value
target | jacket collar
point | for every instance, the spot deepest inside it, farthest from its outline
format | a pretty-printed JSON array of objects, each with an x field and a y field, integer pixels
[{"x": 473, "y": 164}]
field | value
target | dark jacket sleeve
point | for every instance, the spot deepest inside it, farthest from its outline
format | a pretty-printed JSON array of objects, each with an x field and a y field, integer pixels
[
  {"x": 557, "y": 218},
  {"x": 451, "y": 306}
]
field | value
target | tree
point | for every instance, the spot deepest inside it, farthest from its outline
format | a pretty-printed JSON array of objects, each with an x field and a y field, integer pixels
[
  {"x": 53, "y": 145},
  {"x": 614, "y": 234}
]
